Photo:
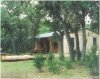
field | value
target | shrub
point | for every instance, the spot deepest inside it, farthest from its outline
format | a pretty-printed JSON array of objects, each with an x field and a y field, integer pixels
[
  {"x": 67, "y": 64},
  {"x": 54, "y": 66},
  {"x": 39, "y": 61},
  {"x": 50, "y": 57},
  {"x": 91, "y": 61}
]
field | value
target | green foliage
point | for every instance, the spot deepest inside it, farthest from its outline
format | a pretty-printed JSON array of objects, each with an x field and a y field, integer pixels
[
  {"x": 44, "y": 29},
  {"x": 45, "y": 26},
  {"x": 54, "y": 66},
  {"x": 65, "y": 63},
  {"x": 91, "y": 61},
  {"x": 55, "y": 37},
  {"x": 17, "y": 26},
  {"x": 50, "y": 56},
  {"x": 68, "y": 64},
  {"x": 39, "y": 61},
  {"x": 19, "y": 69},
  {"x": 94, "y": 16}
]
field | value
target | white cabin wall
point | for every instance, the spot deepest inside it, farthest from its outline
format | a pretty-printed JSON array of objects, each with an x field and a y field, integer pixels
[{"x": 89, "y": 37}]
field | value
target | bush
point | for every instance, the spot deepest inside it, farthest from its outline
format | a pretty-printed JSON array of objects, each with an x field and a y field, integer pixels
[
  {"x": 50, "y": 57},
  {"x": 39, "y": 61},
  {"x": 54, "y": 66},
  {"x": 67, "y": 64},
  {"x": 91, "y": 61}
]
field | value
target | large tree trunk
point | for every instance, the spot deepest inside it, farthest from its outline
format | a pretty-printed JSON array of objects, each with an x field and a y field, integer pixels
[
  {"x": 77, "y": 46},
  {"x": 71, "y": 51},
  {"x": 84, "y": 40},
  {"x": 61, "y": 52}
]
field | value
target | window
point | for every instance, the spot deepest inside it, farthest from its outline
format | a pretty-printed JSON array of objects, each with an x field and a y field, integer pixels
[{"x": 94, "y": 41}]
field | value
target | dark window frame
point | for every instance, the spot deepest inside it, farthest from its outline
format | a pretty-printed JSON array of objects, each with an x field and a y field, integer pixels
[{"x": 94, "y": 41}]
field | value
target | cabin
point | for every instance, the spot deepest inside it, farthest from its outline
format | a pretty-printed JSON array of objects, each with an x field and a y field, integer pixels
[{"x": 45, "y": 43}]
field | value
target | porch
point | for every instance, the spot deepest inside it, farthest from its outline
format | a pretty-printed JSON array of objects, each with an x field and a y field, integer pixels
[{"x": 44, "y": 43}]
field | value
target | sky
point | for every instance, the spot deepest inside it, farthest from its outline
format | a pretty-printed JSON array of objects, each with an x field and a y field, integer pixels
[{"x": 87, "y": 20}]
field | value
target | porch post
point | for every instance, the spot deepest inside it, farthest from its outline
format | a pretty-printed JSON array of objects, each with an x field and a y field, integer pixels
[{"x": 50, "y": 44}]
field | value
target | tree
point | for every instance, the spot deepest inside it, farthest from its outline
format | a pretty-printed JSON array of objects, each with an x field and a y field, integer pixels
[
  {"x": 75, "y": 26},
  {"x": 65, "y": 9},
  {"x": 56, "y": 10},
  {"x": 14, "y": 28},
  {"x": 85, "y": 8},
  {"x": 52, "y": 10},
  {"x": 8, "y": 17},
  {"x": 34, "y": 13},
  {"x": 94, "y": 16},
  {"x": 82, "y": 9}
]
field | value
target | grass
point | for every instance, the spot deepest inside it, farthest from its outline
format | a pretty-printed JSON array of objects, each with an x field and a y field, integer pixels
[{"x": 25, "y": 69}]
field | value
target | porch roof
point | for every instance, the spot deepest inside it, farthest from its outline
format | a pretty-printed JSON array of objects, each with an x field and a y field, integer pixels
[{"x": 45, "y": 35}]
